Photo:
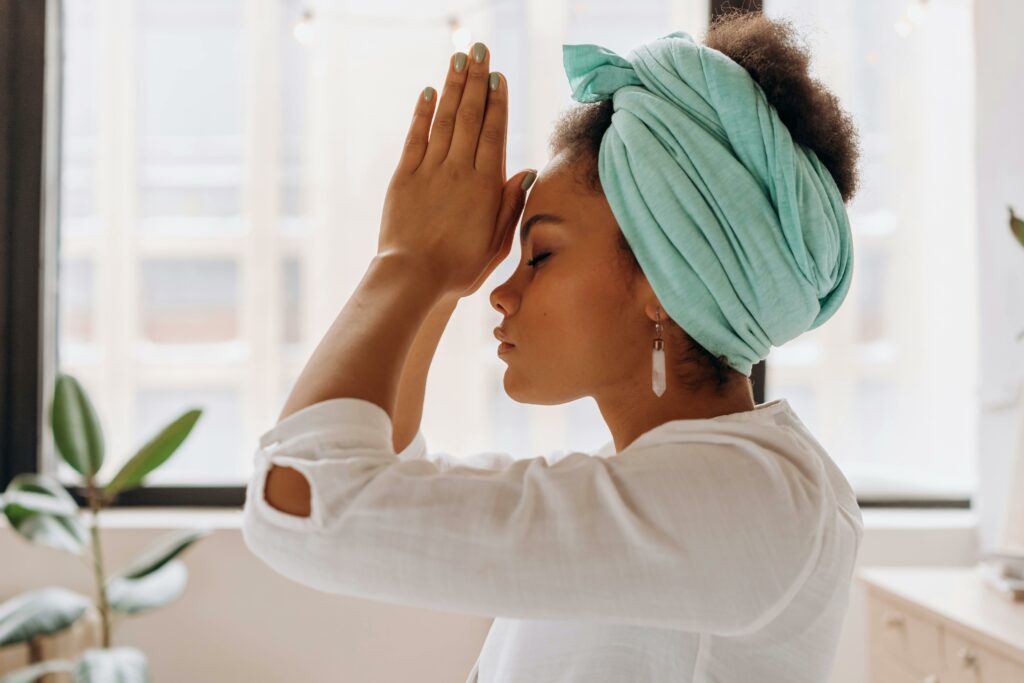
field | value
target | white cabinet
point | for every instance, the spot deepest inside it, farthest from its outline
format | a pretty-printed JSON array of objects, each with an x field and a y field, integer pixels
[{"x": 941, "y": 625}]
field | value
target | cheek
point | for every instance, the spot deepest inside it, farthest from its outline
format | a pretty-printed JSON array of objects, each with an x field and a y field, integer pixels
[{"x": 582, "y": 303}]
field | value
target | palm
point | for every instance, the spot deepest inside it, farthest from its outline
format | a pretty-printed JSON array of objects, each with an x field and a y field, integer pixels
[{"x": 506, "y": 247}]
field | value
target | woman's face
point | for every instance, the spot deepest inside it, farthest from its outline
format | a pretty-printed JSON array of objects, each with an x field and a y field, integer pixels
[{"x": 577, "y": 320}]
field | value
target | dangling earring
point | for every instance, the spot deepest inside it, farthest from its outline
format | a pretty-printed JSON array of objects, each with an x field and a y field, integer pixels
[{"x": 658, "y": 360}]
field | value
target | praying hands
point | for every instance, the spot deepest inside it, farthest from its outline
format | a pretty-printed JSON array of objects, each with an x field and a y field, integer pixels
[{"x": 448, "y": 208}]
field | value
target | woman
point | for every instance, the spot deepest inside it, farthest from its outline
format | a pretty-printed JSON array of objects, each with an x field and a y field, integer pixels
[{"x": 692, "y": 216}]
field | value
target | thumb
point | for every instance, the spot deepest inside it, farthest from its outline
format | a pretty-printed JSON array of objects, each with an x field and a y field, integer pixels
[{"x": 513, "y": 200}]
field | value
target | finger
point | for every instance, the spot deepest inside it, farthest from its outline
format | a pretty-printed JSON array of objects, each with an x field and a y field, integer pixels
[
  {"x": 490, "y": 151},
  {"x": 448, "y": 105},
  {"x": 513, "y": 200},
  {"x": 504, "y": 143},
  {"x": 471, "y": 109},
  {"x": 416, "y": 140}
]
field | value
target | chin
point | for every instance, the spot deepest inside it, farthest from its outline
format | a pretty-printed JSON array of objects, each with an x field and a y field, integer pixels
[{"x": 533, "y": 395}]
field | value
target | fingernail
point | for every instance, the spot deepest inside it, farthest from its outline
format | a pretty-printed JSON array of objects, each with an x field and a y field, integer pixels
[
  {"x": 428, "y": 93},
  {"x": 495, "y": 80},
  {"x": 478, "y": 52},
  {"x": 528, "y": 180},
  {"x": 460, "y": 61}
]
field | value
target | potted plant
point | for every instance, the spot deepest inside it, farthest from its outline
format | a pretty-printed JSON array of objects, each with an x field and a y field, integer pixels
[
  {"x": 1013, "y": 524},
  {"x": 1017, "y": 228},
  {"x": 1003, "y": 567},
  {"x": 41, "y": 510}
]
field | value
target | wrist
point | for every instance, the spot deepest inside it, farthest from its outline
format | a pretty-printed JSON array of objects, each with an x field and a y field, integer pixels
[{"x": 412, "y": 268}]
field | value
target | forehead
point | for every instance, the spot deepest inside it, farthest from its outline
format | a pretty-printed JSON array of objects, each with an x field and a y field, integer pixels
[{"x": 559, "y": 192}]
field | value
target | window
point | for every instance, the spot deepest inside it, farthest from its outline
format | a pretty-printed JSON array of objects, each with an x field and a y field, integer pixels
[
  {"x": 221, "y": 177},
  {"x": 876, "y": 382},
  {"x": 221, "y": 191}
]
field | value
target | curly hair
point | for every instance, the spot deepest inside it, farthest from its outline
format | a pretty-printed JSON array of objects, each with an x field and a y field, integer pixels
[{"x": 772, "y": 53}]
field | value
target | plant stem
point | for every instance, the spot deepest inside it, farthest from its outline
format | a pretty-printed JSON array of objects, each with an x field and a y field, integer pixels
[{"x": 97, "y": 552}]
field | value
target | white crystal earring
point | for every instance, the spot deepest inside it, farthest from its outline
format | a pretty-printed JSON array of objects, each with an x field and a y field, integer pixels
[{"x": 658, "y": 360}]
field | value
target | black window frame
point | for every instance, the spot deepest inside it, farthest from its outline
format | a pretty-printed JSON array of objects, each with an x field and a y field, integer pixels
[{"x": 30, "y": 79}]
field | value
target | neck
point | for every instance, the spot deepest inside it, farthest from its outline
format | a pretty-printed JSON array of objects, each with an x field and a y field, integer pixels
[{"x": 634, "y": 417}]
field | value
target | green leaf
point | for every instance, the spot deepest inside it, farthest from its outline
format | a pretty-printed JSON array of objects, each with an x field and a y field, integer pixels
[
  {"x": 53, "y": 522},
  {"x": 112, "y": 665},
  {"x": 55, "y": 532},
  {"x": 155, "y": 578},
  {"x": 156, "y": 589},
  {"x": 1016, "y": 226},
  {"x": 40, "y": 502},
  {"x": 31, "y": 673},
  {"x": 161, "y": 552},
  {"x": 41, "y": 483},
  {"x": 153, "y": 454},
  {"x": 76, "y": 428},
  {"x": 42, "y": 611}
]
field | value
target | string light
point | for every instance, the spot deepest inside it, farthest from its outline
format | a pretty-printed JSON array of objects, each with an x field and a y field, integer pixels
[
  {"x": 913, "y": 16},
  {"x": 916, "y": 12},
  {"x": 461, "y": 37},
  {"x": 303, "y": 28}
]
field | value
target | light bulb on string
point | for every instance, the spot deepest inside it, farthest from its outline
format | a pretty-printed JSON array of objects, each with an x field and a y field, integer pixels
[
  {"x": 303, "y": 28},
  {"x": 917, "y": 11},
  {"x": 461, "y": 36}
]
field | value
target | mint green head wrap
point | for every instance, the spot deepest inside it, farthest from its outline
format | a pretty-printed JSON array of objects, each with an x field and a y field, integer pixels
[{"x": 742, "y": 233}]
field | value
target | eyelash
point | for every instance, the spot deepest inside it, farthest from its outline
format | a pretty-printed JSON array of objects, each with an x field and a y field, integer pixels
[{"x": 536, "y": 259}]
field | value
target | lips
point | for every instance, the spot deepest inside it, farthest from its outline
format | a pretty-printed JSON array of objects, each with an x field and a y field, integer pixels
[{"x": 500, "y": 335}]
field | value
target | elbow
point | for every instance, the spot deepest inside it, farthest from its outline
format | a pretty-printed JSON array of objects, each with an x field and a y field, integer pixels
[
  {"x": 278, "y": 526},
  {"x": 287, "y": 490}
]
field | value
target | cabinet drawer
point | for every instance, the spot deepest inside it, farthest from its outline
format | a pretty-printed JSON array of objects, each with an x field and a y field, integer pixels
[
  {"x": 968, "y": 662},
  {"x": 886, "y": 669},
  {"x": 905, "y": 636}
]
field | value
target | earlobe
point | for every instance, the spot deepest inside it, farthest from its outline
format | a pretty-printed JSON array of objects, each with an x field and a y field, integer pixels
[{"x": 652, "y": 305}]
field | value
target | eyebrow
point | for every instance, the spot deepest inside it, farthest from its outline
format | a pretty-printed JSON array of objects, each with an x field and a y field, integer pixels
[{"x": 537, "y": 218}]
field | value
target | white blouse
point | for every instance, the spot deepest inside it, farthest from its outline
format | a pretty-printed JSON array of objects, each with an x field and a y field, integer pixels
[{"x": 717, "y": 549}]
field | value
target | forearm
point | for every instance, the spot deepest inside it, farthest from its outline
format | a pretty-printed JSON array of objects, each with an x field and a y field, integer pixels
[
  {"x": 413, "y": 383},
  {"x": 362, "y": 356},
  {"x": 365, "y": 349}
]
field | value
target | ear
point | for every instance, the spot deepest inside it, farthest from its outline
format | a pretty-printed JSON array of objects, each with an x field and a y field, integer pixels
[
  {"x": 645, "y": 294},
  {"x": 656, "y": 312}
]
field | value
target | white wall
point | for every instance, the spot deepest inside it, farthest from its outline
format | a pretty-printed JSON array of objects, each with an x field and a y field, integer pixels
[{"x": 238, "y": 620}]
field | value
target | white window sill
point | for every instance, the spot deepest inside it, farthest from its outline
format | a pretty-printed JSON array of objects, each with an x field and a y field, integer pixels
[
  {"x": 218, "y": 518},
  {"x": 911, "y": 518}
]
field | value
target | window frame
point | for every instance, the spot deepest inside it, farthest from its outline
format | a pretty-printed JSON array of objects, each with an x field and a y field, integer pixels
[{"x": 30, "y": 49}]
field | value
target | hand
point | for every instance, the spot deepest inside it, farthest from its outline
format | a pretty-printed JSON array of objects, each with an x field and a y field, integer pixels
[{"x": 448, "y": 206}]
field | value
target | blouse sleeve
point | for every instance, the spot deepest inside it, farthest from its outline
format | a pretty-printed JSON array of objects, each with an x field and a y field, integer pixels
[
  {"x": 696, "y": 536},
  {"x": 417, "y": 450}
]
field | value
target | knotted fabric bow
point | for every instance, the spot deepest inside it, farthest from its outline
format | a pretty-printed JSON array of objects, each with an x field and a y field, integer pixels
[{"x": 742, "y": 233}]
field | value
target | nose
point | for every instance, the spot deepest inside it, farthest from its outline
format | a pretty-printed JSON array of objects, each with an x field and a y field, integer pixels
[{"x": 503, "y": 299}]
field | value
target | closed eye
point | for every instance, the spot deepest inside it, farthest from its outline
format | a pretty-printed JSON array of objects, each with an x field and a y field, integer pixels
[{"x": 537, "y": 259}]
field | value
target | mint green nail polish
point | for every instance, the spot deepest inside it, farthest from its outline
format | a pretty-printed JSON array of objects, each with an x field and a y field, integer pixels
[
  {"x": 528, "y": 180},
  {"x": 478, "y": 52},
  {"x": 495, "y": 80},
  {"x": 460, "y": 61},
  {"x": 428, "y": 93}
]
